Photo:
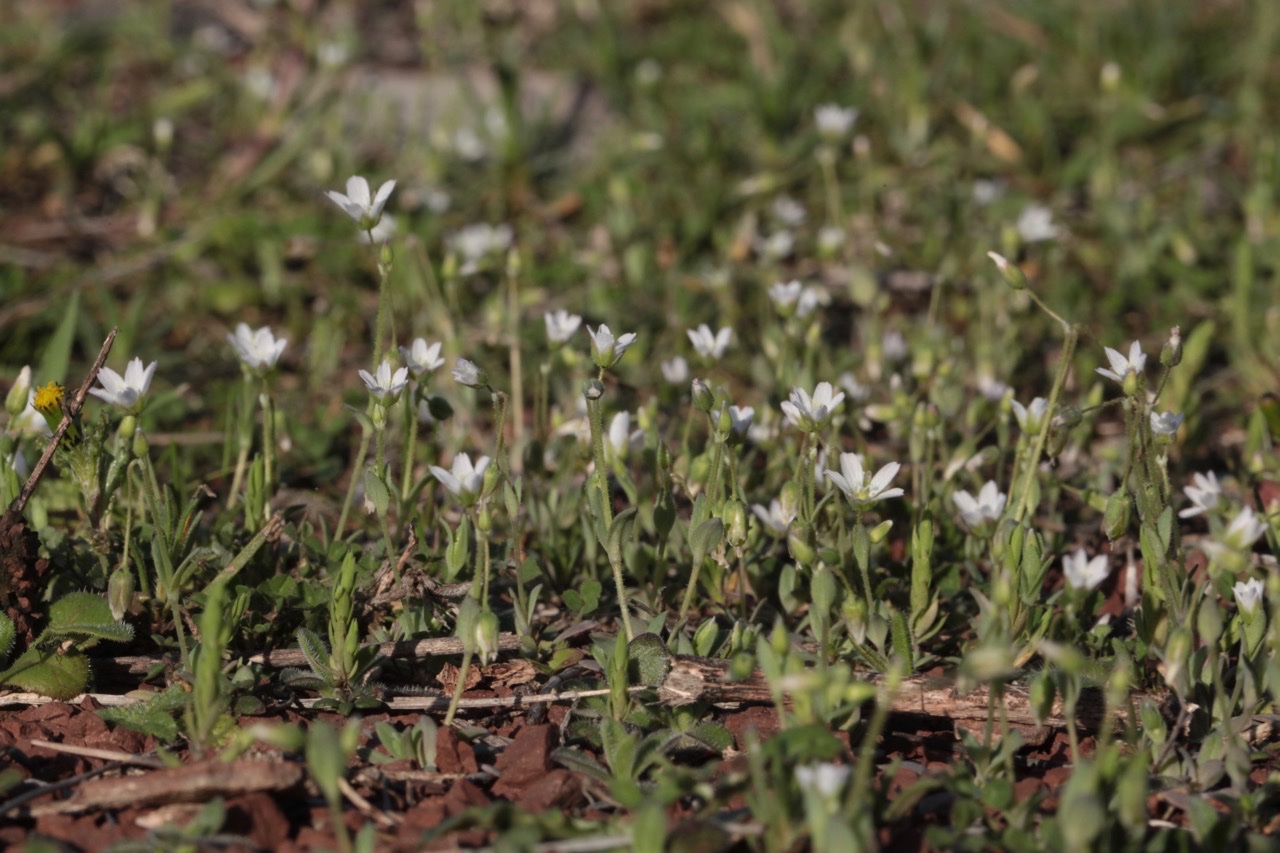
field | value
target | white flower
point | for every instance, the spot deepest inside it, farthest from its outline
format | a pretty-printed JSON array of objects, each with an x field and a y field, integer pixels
[
  {"x": 1245, "y": 529},
  {"x": 605, "y": 348},
  {"x": 385, "y": 386},
  {"x": 1030, "y": 418},
  {"x": 830, "y": 239},
  {"x": 561, "y": 325},
  {"x": 893, "y": 345},
  {"x": 1121, "y": 366},
  {"x": 467, "y": 373},
  {"x": 834, "y": 121},
  {"x": 257, "y": 348},
  {"x": 986, "y": 191},
  {"x": 812, "y": 413},
  {"x": 1165, "y": 423},
  {"x": 1248, "y": 595},
  {"x": 776, "y": 246},
  {"x": 1035, "y": 224},
  {"x": 740, "y": 420},
  {"x": 421, "y": 357},
  {"x": 810, "y": 299},
  {"x": 824, "y": 779},
  {"x": 477, "y": 242},
  {"x": 784, "y": 295},
  {"x": 1084, "y": 573},
  {"x": 125, "y": 392},
  {"x": 1203, "y": 495},
  {"x": 988, "y": 507},
  {"x": 777, "y": 518},
  {"x": 994, "y": 390},
  {"x": 675, "y": 370},
  {"x": 788, "y": 212},
  {"x": 708, "y": 345},
  {"x": 465, "y": 480},
  {"x": 620, "y": 436},
  {"x": 857, "y": 392},
  {"x": 858, "y": 487},
  {"x": 358, "y": 204},
  {"x": 18, "y": 463}
]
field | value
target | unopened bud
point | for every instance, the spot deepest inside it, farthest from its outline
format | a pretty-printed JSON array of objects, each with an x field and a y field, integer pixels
[
  {"x": 734, "y": 516},
  {"x": 1171, "y": 354},
  {"x": 854, "y": 614},
  {"x": 439, "y": 408},
  {"x": 791, "y": 498},
  {"x": 703, "y": 398},
  {"x": 1010, "y": 272},
  {"x": 16, "y": 401},
  {"x": 880, "y": 531},
  {"x": 140, "y": 444},
  {"x": 120, "y": 592},
  {"x": 492, "y": 475},
  {"x": 1041, "y": 696},
  {"x": 800, "y": 543},
  {"x": 487, "y": 636},
  {"x": 593, "y": 389},
  {"x": 1115, "y": 518},
  {"x": 1176, "y": 652}
]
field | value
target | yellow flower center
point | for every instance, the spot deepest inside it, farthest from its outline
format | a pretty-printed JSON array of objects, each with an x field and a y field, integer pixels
[{"x": 48, "y": 398}]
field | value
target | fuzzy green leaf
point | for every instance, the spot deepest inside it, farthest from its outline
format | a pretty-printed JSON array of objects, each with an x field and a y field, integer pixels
[
  {"x": 648, "y": 660},
  {"x": 58, "y": 676}
]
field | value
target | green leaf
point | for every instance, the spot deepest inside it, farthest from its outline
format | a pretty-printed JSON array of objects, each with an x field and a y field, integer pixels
[
  {"x": 6, "y": 637},
  {"x": 85, "y": 616},
  {"x": 619, "y": 533},
  {"x": 58, "y": 676},
  {"x": 619, "y": 748},
  {"x": 648, "y": 660},
  {"x": 376, "y": 490},
  {"x": 705, "y": 537},
  {"x": 704, "y": 639},
  {"x": 314, "y": 651}
]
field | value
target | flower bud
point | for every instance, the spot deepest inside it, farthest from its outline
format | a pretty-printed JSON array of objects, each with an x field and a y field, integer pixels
[
  {"x": 854, "y": 614},
  {"x": 439, "y": 408},
  {"x": 120, "y": 592},
  {"x": 800, "y": 543},
  {"x": 1041, "y": 696},
  {"x": 593, "y": 389},
  {"x": 880, "y": 531},
  {"x": 484, "y": 518},
  {"x": 140, "y": 445},
  {"x": 16, "y": 401},
  {"x": 492, "y": 475},
  {"x": 1131, "y": 384},
  {"x": 1115, "y": 518},
  {"x": 791, "y": 499},
  {"x": 1176, "y": 652},
  {"x": 487, "y": 636},
  {"x": 1010, "y": 272},
  {"x": 1171, "y": 354},
  {"x": 703, "y": 398},
  {"x": 128, "y": 426},
  {"x": 724, "y": 423},
  {"x": 734, "y": 516}
]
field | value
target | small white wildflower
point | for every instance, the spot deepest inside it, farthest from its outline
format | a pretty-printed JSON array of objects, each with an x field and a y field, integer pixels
[
  {"x": 386, "y": 386},
  {"x": 776, "y": 519},
  {"x": 1121, "y": 367},
  {"x": 359, "y": 205},
  {"x": 1245, "y": 529},
  {"x": 993, "y": 389},
  {"x": 857, "y": 392},
  {"x": 1165, "y": 424},
  {"x": 986, "y": 191},
  {"x": 987, "y": 508},
  {"x": 475, "y": 243},
  {"x": 834, "y": 122},
  {"x": 605, "y": 348},
  {"x": 561, "y": 325},
  {"x": 1248, "y": 595},
  {"x": 783, "y": 295},
  {"x": 811, "y": 413},
  {"x": 860, "y": 488},
  {"x": 824, "y": 779},
  {"x": 620, "y": 437},
  {"x": 710, "y": 345},
  {"x": 740, "y": 420},
  {"x": 125, "y": 392},
  {"x": 380, "y": 233},
  {"x": 777, "y": 246},
  {"x": 1035, "y": 224},
  {"x": 830, "y": 239},
  {"x": 675, "y": 370},
  {"x": 1204, "y": 495},
  {"x": 257, "y": 348},
  {"x": 810, "y": 298},
  {"x": 788, "y": 212},
  {"x": 464, "y": 480},
  {"x": 894, "y": 346},
  {"x": 421, "y": 357},
  {"x": 1030, "y": 418},
  {"x": 467, "y": 373},
  {"x": 1083, "y": 573}
]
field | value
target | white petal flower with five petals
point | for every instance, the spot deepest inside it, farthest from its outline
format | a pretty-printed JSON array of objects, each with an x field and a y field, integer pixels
[
  {"x": 421, "y": 357},
  {"x": 811, "y": 413},
  {"x": 465, "y": 480},
  {"x": 710, "y": 345},
  {"x": 1122, "y": 366},
  {"x": 1084, "y": 573},
  {"x": 561, "y": 325},
  {"x": 259, "y": 349},
  {"x": 860, "y": 488},
  {"x": 386, "y": 386},
  {"x": 605, "y": 348},
  {"x": 1204, "y": 495},
  {"x": 359, "y": 205},
  {"x": 125, "y": 392},
  {"x": 985, "y": 509}
]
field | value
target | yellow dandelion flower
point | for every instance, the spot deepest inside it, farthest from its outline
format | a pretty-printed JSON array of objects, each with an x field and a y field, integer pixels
[{"x": 48, "y": 399}]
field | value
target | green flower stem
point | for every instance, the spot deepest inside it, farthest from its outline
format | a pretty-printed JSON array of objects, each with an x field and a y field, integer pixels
[
  {"x": 1064, "y": 367},
  {"x": 467, "y": 654},
  {"x": 595, "y": 417},
  {"x": 268, "y": 447},
  {"x": 826, "y": 157},
  {"x": 483, "y": 560},
  {"x": 151, "y": 487},
  {"x": 244, "y": 440},
  {"x": 384, "y": 300},
  {"x": 500, "y": 455},
  {"x": 514, "y": 358},
  {"x": 361, "y": 453},
  {"x": 713, "y": 476},
  {"x": 410, "y": 446}
]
